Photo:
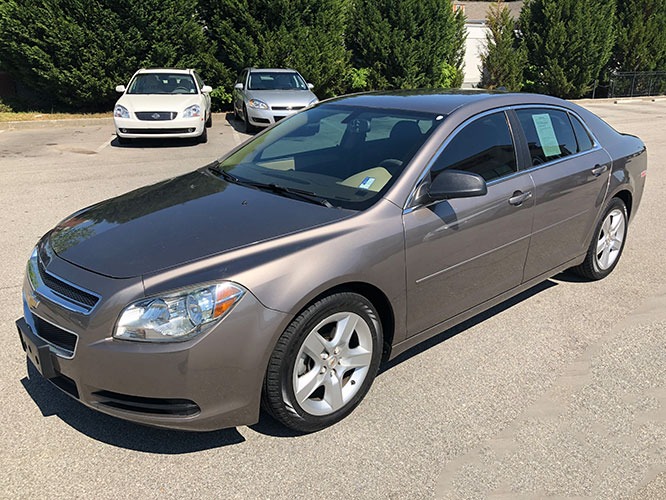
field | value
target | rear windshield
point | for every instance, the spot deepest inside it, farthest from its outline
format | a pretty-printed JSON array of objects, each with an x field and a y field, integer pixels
[
  {"x": 276, "y": 80},
  {"x": 162, "y": 83},
  {"x": 346, "y": 154}
]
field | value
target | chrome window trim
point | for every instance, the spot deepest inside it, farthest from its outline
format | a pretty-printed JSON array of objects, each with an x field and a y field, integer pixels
[
  {"x": 409, "y": 207},
  {"x": 50, "y": 295}
]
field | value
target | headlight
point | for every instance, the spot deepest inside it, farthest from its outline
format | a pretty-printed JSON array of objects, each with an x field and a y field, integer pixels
[
  {"x": 179, "y": 316},
  {"x": 257, "y": 104},
  {"x": 31, "y": 270},
  {"x": 192, "y": 111},
  {"x": 120, "y": 111}
]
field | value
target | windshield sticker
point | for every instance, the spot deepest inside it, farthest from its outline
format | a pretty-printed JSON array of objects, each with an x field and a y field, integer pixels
[
  {"x": 367, "y": 182},
  {"x": 546, "y": 133}
]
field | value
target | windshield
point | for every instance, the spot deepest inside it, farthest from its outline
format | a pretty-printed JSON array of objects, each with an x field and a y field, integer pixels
[
  {"x": 346, "y": 155},
  {"x": 276, "y": 80},
  {"x": 162, "y": 83}
]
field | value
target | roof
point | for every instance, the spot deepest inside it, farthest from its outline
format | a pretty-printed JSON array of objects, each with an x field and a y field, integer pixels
[
  {"x": 162, "y": 70},
  {"x": 274, "y": 70},
  {"x": 442, "y": 102},
  {"x": 476, "y": 12}
]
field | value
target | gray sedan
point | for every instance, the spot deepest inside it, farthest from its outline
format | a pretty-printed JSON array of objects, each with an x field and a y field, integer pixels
[
  {"x": 283, "y": 274},
  {"x": 264, "y": 96}
]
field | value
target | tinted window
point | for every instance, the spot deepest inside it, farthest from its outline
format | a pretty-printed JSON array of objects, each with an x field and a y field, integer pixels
[
  {"x": 483, "y": 147},
  {"x": 274, "y": 80},
  {"x": 162, "y": 83},
  {"x": 583, "y": 138},
  {"x": 549, "y": 134}
]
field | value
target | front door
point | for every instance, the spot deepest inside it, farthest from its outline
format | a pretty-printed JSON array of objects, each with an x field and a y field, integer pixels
[{"x": 463, "y": 252}]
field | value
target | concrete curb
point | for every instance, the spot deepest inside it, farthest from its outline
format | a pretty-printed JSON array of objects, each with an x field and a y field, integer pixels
[{"x": 73, "y": 122}]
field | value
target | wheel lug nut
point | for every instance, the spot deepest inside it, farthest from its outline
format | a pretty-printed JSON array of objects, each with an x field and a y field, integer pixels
[
  {"x": 324, "y": 355},
  {"x": 323, "y": 369}
]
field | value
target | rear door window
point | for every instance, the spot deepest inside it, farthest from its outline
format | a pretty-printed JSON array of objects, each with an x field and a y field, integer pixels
[{"x": 549, "y": 134}]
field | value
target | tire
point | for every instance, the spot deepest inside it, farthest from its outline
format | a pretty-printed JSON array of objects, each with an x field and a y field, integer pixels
[
  {"x": 123, "y": 141},
  {"x": 247, "y": 126},
  {"x": 203, "y": 138},
  {"x": 607, "y": 243},
  {"x": 324, "y": 363},
  {"x": 209, "y": 121}
]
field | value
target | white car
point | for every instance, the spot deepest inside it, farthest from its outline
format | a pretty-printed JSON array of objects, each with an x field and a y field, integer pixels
[{"x": 163, "y": 103}]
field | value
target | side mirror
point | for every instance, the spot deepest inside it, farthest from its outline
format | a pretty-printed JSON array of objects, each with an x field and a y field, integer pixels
[
  {"x": 206, "y": 89},
  {"x": 120, "y": 89},
  {"x": 238, "y": 86},
  {"x": 450, "y": 184},
  {"x": 310, "y": 86}
]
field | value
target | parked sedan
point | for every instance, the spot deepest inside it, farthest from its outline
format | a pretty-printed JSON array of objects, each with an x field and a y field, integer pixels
[
  {"x": 163, "y": 103},
  {"x": 265, "y": 96},
  {"x": 283, "y": 274}
]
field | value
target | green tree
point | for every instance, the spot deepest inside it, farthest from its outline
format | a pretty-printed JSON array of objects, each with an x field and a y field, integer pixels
[
  {"x": 72, "y": 53},
  {"x": 307, "y": 35},
  {"x": 568, "y": 43},
  {"x": 505, "y": 58},
  {"x": 641, "y": 36},
  {"x": 407, "y": 43}
]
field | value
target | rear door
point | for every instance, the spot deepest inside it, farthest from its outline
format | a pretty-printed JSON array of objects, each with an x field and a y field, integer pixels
[
  {"x": 462, "y": 252},
  {"x": 571, "y": 174}
]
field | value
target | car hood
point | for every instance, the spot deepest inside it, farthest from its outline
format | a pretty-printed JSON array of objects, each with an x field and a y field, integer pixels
[
  {"x": 282, "y": 98},
  {"x": 159, "y": 102},
  {"x": 176, "y": 221}
]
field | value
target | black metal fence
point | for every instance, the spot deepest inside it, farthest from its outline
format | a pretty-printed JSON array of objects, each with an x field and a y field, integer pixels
[{"x": 637, "y": 83}]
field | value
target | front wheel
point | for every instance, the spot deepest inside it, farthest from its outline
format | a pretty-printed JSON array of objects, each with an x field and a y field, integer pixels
[
  {"x": 203, "y": 138},
  {"x": 607, "y": 243},
  {"x": 324, "y": 363}
]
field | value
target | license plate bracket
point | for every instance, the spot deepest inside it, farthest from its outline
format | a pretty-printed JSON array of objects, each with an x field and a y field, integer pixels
[{"x": 36, "y": 349}]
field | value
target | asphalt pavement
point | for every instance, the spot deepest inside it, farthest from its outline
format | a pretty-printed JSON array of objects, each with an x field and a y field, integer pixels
[{"x": 558, "y": 393}]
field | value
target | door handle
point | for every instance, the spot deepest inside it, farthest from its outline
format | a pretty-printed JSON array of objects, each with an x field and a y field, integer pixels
[
  {"x": 519, "y": 197},
  {"x": 599, "y": 169}
]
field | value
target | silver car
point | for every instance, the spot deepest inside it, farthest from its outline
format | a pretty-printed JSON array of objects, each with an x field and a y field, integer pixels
[
  {"x": 284, "y": 273},
  {"x": 265, "y": 96}
]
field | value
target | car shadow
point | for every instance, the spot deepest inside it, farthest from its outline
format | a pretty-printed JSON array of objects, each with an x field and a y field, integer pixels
[
  {"x": 155, "y": 143},
  {"x": 237, "y": 124},
  {"x": 116, "y": 432},
  {"x": 473, "y": 321}
]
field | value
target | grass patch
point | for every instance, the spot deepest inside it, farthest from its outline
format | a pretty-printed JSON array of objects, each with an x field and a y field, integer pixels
[{"x": 23, "y": 117}]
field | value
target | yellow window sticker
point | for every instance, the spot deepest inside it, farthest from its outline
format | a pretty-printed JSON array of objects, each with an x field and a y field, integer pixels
[{"x": 546, "y": 133}]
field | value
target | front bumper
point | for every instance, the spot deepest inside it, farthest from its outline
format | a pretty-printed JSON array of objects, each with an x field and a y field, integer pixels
[
  {"x": 132, "y": 128},
  {"x": 267, "y": 117},
  {"x": 209, "y": 382}
]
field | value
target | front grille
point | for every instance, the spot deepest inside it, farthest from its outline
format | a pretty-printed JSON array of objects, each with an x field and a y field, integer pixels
[
  {"x": 155, "y": 406},
  {"x": 156, "y": 115},
  {"x": 152, "y": 131},
  {"x": 286, "y": 108},
  {"x": 55, "y": 335},
  {"x": 67, "y": 291}
]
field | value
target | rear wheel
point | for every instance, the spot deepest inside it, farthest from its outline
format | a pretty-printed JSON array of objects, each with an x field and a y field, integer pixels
[
  {"x": 607, "y": 243},
  {"x": 324, "y": 363}
]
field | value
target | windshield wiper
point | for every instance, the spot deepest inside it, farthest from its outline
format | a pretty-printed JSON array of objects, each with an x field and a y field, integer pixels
[{"x": 296, "y": 193}]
